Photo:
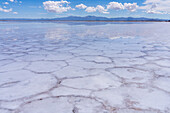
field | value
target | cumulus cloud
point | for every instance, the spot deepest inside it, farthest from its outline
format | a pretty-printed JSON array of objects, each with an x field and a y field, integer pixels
[
  {"x": 156, "y": 6},
  {"x": 11, "y": 0},
  {"x": 112, "y": 5},
  {"x": 15, "y": 13},
  {"x": 6, "y": 3},
  {"x": 150, "y": 7},
  {"x": 131, "y": 7},
  {"x": 101, "y": 9},
  {"x": 5, "y": 10},
  {"x": 153, "y": 12},
  {"x": 81, "y": 6},
  {"x": 119, "y": 6},
  {"x": 57, "y": 6},
  {"x": 90, "y": 9},
  {"x": 115, "y": 5}
]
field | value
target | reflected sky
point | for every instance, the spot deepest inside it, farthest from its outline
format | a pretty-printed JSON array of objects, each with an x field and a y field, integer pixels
[{"x": 69, "y": 31}]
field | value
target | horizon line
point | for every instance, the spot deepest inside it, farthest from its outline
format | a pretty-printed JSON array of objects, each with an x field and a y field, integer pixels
[{"x": 81, "y": 17}]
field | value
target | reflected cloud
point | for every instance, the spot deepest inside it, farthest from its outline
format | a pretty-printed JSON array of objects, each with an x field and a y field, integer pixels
[
  {"x": 83, "y": 32},
  {"x": 124, "y": 37},
  {"x": 147, "y": 31},
  {"x": 57, "y": 34}
]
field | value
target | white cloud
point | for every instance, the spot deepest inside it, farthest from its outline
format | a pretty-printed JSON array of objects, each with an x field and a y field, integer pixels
[
  {"x": 156, "y": 6},
  {"x": 101, "y": 9},
  {"x": 90, "y": 9},
  {"x": 11, "y": 0},
  {"x": 6, "y": 3},
  {"x": 15, "y": 12},
  {"x": 153, "y": 12},
  {"x": 131, "y": 7},
  {"x": 5, "y": 10},
  {"x": 115, "y": 5},
  {"x": 112, "y": 5},
  {"x": 150, "y": 7},
  {"x": 119, "y": 6},
  {"x": 81, "y": 6},
  {"x": 57, "y": 6}
]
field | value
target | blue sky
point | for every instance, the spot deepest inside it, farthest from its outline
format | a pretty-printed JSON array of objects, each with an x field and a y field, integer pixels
[{"x": 106, "y": 8}]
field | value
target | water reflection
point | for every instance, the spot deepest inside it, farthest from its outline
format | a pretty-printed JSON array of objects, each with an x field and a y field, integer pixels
[
  {"x": 147, "y": 31},
  {"x": 57, "y": 34},
  {"x": 152, "y": 32}
]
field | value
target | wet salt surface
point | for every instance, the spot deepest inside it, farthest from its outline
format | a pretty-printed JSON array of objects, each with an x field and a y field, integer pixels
[{"x": 84, "y": 67}]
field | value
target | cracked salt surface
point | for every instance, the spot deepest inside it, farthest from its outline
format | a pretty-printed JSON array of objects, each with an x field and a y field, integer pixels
[{"x": 63, "y": 68}]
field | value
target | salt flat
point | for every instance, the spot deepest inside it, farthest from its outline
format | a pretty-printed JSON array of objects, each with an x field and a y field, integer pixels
[{"x": 84, "y": 68}]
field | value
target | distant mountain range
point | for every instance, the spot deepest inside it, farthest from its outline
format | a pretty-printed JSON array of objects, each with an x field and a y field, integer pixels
[{"x": 87, "y": 18}]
